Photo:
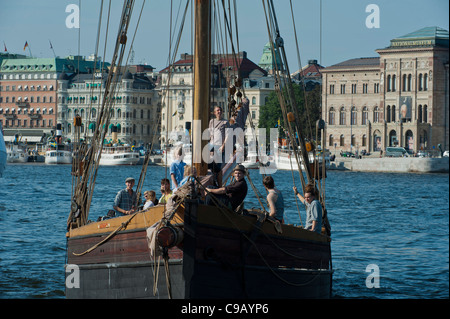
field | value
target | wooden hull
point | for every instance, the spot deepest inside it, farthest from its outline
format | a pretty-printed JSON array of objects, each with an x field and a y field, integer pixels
[{"x": 228, "y": 257}]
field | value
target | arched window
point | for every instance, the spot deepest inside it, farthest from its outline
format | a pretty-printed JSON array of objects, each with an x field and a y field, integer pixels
[
  {"x": 364, "y": 140},
  {"x": 393, "y": 113},
  {"x": 365, "y": 115},
  {"x": 425, "y": 82},
  {"x": 253, "y": 100},
  {"x": 420, "y": 82},
  {"x": 404, "y": 84},
  {"x": 425, "y": 114},
  {"x": 419, "y": 115},
  {"x": 409, "y": 82},
  {"x": 376, "y": 115},
  {"x": 388, "y": 83},
  {"x": 394, "y": 80},
  {"x": 331, "y": 116},
  {"x": 331, "y": 140},
  {"x": 353, "y": 116},
  {"x": 341, "y": 140},
  {"x": 342, "y": 116},
  {"x": 388, "y": 114}
]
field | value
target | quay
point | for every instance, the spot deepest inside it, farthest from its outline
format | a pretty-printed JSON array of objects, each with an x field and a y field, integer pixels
[{"x": 392, "y": 164}]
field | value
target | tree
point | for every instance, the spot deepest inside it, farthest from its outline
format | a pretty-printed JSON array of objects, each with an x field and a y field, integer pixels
[{"x": 308, "y": 114}]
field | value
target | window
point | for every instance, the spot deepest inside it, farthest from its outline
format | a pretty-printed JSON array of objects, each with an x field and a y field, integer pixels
[
  {"x": 409, "y": 82},
  {"x": 375, "y": 115},
  {"x": 404, "y": 83},
  {"x": 393, "y": 113},
  {"x": 331, "y": 88},
  {"x": 331, "y": 117},
  {"x": 364, "y": 140},
  {"x": 353, "y": 88},
  {"x": 352, "y": 140},
  {"x": 365, "y": 88},
  {"x": 419, "y": 115},
  {"x": 420, "y": 82},
  {"x": 342, "y": 88},
  {"x": 425, "y": 82},
  {"x": 376, "y": 88},
  {"x": 331, "y": 140},
  {"x": 388, "y": 83},
  {"x": 342, "y": 116},
  {"x": 425, "y": 114},
  {"x": 253, "y": 100},
  {"x": 394, "y": 78},
  {"x": 353, "y": 116},
  {"x": 388, "y": 114},
  {"x": 341, "y": 140}
]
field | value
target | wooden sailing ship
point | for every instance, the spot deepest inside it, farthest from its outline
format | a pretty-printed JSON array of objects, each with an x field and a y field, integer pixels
[{"x": 188, "y": 249}]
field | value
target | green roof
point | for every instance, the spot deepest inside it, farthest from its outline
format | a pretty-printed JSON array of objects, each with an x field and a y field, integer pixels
[
  {"x": 429, "y": 36},
  {"x": 57, "y": 65}
]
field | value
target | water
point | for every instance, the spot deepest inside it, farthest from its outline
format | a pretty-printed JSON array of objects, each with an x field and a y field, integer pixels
[{"x": 398, "y": 222}]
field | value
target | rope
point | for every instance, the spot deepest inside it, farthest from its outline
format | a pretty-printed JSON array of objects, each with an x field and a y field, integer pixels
[{"x": 122, "y": 226}]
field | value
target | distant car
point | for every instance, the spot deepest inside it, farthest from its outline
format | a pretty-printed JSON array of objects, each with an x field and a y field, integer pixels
[
  {"x": 445, "y": 154},
  {"x": 421, "y": 154},
  {"x": 347, "y": 154}
]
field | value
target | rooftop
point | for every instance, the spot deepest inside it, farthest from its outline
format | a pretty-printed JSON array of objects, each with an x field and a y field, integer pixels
[{"x": 428, "y": 36}]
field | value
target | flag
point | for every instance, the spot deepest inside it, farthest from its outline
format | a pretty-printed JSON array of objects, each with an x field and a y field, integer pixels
[
  {"x": 175, "y": 113},
  {"x": 51, "y": 46},
  {"x": 6, "y": 50},
  {"x": 25, "y": 46}
]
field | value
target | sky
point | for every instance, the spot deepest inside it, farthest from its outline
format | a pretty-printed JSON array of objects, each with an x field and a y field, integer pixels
[{"x": 345, "y": 33}]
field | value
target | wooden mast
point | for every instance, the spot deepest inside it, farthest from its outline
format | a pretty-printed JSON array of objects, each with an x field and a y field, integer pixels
[{"x": 202, "y": 80}]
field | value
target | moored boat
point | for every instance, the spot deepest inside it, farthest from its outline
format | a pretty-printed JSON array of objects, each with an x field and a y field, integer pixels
[
  {"x": 3, "y": 154},
  {"x": 186, "y": 249}
]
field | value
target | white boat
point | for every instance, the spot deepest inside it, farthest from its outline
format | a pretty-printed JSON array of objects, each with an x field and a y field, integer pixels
[
  {"x": 252, "y": 160},
  {"x": 2, "y": 153},
  {"x": 16, "y": 153},
  {"x": 58, "y": 155},
  {"x": 285, "y": 160},
  {"x": 119, "y": 155}
]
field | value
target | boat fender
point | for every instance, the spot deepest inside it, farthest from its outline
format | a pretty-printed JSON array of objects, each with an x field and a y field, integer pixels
[{"x": 169, "y": 236}]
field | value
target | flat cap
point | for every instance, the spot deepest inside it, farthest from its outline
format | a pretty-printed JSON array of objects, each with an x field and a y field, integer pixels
[{"x": 129, "y": 179}]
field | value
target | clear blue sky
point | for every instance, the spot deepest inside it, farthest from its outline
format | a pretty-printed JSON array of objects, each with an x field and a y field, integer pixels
[{"x": 344, "y": 31}]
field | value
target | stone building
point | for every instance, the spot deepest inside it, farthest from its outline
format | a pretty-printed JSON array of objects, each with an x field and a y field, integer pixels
[
  {"x": 28, "y": 93},
  {"x": 400, "y": 98},
  {"x": 134, "y": 104}
]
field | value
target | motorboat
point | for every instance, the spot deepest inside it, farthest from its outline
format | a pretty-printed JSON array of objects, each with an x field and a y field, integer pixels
[{"x": 119, "y": 155}]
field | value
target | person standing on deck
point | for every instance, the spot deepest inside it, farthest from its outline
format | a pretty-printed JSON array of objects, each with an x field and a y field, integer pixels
[
  {"x": 126, "y": 199},
  {"x": 313, "y": 209},
  {"x": 217, "y": 127},
  {"x": 274, "y": 198}
]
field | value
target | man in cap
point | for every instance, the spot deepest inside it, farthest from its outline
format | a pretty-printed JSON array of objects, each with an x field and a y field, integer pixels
[
  {"x": 124, "y": 203},
  {"x": 234, "y": 194}
]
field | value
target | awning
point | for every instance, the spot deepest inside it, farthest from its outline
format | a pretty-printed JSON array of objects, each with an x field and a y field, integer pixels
[
  {"x": 118, "y": 126},
  {"x": 92, "y": 126}
]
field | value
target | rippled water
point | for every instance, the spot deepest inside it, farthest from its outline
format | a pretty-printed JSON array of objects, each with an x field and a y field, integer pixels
[{"x": 398, "y": 222}]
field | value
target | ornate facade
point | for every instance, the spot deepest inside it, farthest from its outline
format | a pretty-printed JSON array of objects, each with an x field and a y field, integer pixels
[{"x": 400, "y": 98}]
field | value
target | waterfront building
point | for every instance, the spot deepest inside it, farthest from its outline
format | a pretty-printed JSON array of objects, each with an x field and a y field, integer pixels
[
  {"x": 134, "y": 109},
  {"x": 399, "y": 98},
  {"x": 175, "y": 85},
  {"x": 28, "y": 93}
]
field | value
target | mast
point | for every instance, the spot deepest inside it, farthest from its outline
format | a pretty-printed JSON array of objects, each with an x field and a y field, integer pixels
[{"x": 202, "y": 80}]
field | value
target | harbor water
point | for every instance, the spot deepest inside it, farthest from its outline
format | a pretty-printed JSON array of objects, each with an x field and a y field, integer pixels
[{"x": 390, "y": 232}]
